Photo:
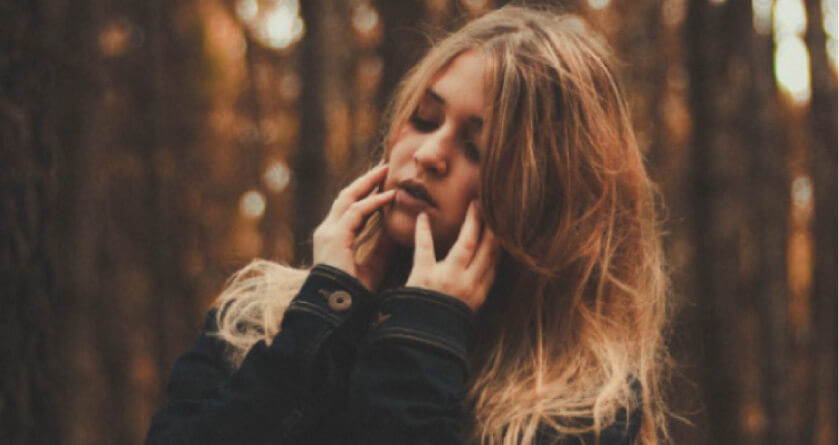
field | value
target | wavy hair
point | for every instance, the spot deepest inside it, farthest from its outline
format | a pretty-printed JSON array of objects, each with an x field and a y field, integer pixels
[{"x": 580, "y": 305}]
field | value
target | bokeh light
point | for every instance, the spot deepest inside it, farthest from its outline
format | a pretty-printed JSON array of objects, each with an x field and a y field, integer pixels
[
  {"x": 762, "y": 16},
  {"x": 802, "y": 191},
  {"x": 598, "y": 4},
  {"x": 276, "y": 176},
  {"x": 365, "y": 18},
  {"x": 252, "y": 204},
  {"x": 274, "y": 23},
  {"x": 247, "y": 10},
  {"x": 113, "y": 39},
  {"x": 673, "y": 12},
  {"x": 792, "y": 69},
  {"x": 790, "y": 18},
  {"x": 829, "y": 15},
  {"x": 802, "y": 201},
  {"x": 475, "y": 7},
  {"x": 792, "y": 59}
]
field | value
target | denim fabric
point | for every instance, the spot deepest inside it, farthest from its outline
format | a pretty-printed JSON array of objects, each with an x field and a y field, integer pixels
[{"x": 345, "y": 368}]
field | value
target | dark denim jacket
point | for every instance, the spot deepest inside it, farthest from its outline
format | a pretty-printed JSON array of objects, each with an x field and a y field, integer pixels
[{"x": 344, "y": 369}]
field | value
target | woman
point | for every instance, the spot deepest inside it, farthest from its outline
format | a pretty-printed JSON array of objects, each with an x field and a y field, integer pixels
[{"x": 498, "y": 279}]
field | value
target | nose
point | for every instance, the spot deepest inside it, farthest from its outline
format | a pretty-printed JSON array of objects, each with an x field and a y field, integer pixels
[{"x": 431, "y": 156}]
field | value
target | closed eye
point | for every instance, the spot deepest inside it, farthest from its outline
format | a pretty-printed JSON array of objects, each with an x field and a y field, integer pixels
[
  {"x": 472, "y": 152},
  {"x": 422, "y": 124},
  {"x": 425, "y": 126}
]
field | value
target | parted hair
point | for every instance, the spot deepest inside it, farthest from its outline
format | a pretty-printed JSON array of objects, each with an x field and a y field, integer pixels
[{"x": 581, "y": 305}]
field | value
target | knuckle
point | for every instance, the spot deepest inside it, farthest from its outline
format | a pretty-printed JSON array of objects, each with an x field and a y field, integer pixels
[
  {"x": 461, "y": 261},
  {"x": 355, "y": 210}
]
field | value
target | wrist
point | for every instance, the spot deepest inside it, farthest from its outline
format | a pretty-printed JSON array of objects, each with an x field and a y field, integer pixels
[{"x": 424, "y": 317}]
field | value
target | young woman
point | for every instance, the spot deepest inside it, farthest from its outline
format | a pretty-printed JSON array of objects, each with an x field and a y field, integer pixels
[{"x": 497, "y": 279}]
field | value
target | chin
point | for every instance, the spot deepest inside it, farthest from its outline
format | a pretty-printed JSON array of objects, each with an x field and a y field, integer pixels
[{"x": 399, "y": 226}]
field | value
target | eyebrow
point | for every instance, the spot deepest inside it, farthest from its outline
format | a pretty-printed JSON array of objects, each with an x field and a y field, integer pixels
[{"x": 439, "y": 99}]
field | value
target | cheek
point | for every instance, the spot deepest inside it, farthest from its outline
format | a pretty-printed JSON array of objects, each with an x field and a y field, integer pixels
[
  {"x": 399, "y": 158},
  {"x": 457, "y": 206},
  {"x": 394, "y": 165},
  {"x": 462, "y": 192},
  {"x": 399, "y": 154},
  {"x": 400, "y": 150}
]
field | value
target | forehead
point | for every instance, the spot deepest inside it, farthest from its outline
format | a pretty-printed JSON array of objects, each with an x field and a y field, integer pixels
[{"x": 461, "y": 84}]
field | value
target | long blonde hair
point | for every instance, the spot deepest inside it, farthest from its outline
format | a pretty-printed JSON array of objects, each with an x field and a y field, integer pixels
[{"x": 580, "y": 305}]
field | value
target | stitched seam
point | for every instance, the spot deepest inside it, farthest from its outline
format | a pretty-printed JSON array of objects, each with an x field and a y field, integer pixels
[
  {"x": 305, "y": 306},
  {"x": 313, "y": 308},
  {"x": 330, "y": 276},
  {"x": 429, "y": 336},
  {"x": 419, "y": 296},
  {"x": 325, "y": 271},
  {"x": 422, "y": 337},
  {"x": 438, "y": 297},
  {"x": 427, "y": 342}
]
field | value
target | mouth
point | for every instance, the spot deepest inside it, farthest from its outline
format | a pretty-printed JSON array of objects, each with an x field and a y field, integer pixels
[
  {"x": 413, "y": 190},
  {"x": 406, "y": 200}
]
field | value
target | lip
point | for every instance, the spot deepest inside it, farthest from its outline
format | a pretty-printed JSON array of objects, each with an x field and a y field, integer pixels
[
  {"x": 412, "y": 185},
  {"x": 403, "y": 198}
]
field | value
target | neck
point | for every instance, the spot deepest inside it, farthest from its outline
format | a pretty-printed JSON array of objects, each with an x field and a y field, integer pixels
[{"x": 399, "y": 269}]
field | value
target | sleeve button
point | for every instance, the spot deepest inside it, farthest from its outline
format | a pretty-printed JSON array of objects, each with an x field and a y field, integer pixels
[{"x": 339, "y": 300}]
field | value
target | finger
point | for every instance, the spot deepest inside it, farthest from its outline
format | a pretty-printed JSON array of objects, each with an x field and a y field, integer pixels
[
  {"x": 382, "y": 250},
  {"x": 486, "y": 256},
  {"x": 494, "y": 261},
  {"x": 358, "y": 188},
  {"x": 463, "y": 250},
  {"x": 423, "y": 243},
  {"x": 352, "y": 219},
  {"x": 379, "y": 185}
]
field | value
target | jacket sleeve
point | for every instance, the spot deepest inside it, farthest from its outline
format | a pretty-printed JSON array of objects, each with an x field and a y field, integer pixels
[
  {"x": 408, "y": 383},
  {"x": 280, "y": 390}
]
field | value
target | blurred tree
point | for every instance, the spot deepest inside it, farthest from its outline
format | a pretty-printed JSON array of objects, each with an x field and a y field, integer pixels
[
  {"x": 819, "y": 416},
  {"x": 36, "y": 103},
  {"x": 146, "y": 149}
]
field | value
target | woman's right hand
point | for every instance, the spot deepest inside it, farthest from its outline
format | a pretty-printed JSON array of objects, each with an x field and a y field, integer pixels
[{"x": 333, "y": 238}]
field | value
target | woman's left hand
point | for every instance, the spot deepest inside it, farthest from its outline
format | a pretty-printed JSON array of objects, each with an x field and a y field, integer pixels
[{"x": 468, "y": 271}]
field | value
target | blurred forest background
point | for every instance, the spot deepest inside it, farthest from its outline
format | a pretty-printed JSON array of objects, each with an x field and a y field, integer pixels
[{"x": 149, "y": 148}]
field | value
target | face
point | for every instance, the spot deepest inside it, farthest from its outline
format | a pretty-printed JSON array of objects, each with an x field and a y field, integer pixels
[{"x": 439, "y": 149}]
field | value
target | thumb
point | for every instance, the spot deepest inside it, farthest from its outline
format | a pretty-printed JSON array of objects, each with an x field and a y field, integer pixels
[{"x": 423, "y": 243}]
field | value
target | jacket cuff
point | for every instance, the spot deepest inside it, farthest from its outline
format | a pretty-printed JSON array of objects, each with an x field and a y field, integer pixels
[
  {"x": 337, "y": 298},
  {"x": 426, "y": 317}
]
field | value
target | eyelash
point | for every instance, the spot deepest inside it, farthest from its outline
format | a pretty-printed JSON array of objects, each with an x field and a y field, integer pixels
[
  {"x": 425, "y": 126},
  {"x": 422, "y": 124}
]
